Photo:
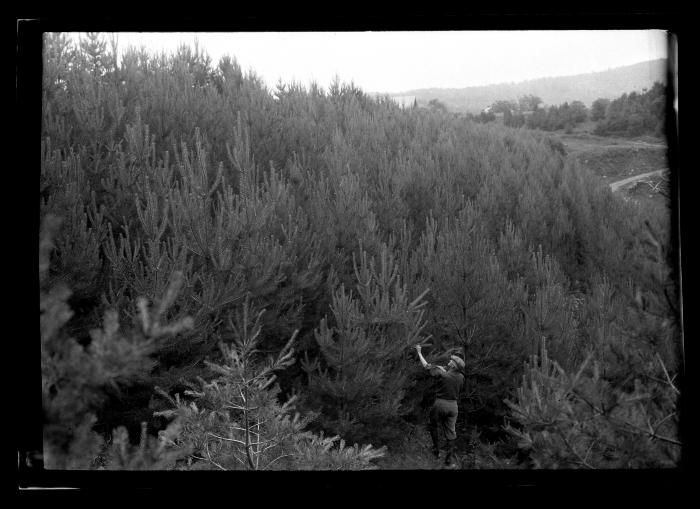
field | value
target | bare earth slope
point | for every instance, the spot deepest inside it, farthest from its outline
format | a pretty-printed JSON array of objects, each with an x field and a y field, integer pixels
[{"x": 635, "y": 168}]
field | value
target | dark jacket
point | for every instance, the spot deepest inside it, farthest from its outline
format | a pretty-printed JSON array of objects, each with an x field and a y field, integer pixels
[{"x": 449, "y": 383}]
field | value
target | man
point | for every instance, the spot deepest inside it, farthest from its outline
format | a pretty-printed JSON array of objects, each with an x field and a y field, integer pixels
[{"x": 443, "y": 413}]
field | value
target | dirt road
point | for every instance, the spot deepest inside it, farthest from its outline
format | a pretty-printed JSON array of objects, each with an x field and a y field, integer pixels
[
  {"x": 634, "y": 144},
  {"x": 646, "y": 144},
  {"x": 614, "y": 186}
]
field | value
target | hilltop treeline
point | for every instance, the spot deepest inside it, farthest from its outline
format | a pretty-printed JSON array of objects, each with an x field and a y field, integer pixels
[
  {"x": 528, "y": 113},
  {"x": 632, "y": 114},
  {"x": 246, "y": 271},
  {"x": 565, "y": 116}
]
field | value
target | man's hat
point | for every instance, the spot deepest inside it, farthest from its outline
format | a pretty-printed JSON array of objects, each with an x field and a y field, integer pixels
[{"x": 458, "y": 361}]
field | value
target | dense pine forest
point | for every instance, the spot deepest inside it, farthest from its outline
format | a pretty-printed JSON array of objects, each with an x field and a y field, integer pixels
[{"x": 235, "y": 277}]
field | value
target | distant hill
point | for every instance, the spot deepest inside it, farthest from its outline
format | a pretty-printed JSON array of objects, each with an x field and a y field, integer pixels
[{"x": 552, "y": 90}]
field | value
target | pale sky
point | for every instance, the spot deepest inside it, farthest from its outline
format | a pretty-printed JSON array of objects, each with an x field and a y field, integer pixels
[{"x": 398, "y": 61}]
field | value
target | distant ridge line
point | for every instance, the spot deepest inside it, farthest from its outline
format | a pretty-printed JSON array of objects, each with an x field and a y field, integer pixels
[
  {"x": 587, "y": 87},
  {"x": 522, "y": 82}
]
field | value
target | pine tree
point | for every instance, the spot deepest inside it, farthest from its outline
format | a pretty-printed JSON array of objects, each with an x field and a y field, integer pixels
[
  {"x": 581, "y": 420},
  {"x": 550, "y": 312},
  {"x": 235, "y": 421},
  {"x": 473, "y": 309},
  {"x": 358, "y": 382},
  {"x": 75, "y": 374},
  {"x": 151, "y": 453}
]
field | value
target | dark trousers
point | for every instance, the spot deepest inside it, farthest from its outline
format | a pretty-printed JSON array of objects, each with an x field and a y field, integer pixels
[{"x": 443, "y": 416}]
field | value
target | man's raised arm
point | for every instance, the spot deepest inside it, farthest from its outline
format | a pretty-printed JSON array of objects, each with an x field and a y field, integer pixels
[{"x": 434, "y": 370}]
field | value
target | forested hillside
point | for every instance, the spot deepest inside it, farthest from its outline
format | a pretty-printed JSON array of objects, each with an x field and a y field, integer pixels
[
  {"x": 553, "y": 90},
  {"x": 246, "y": 271},
  {"x": 633, "y": 114}
]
